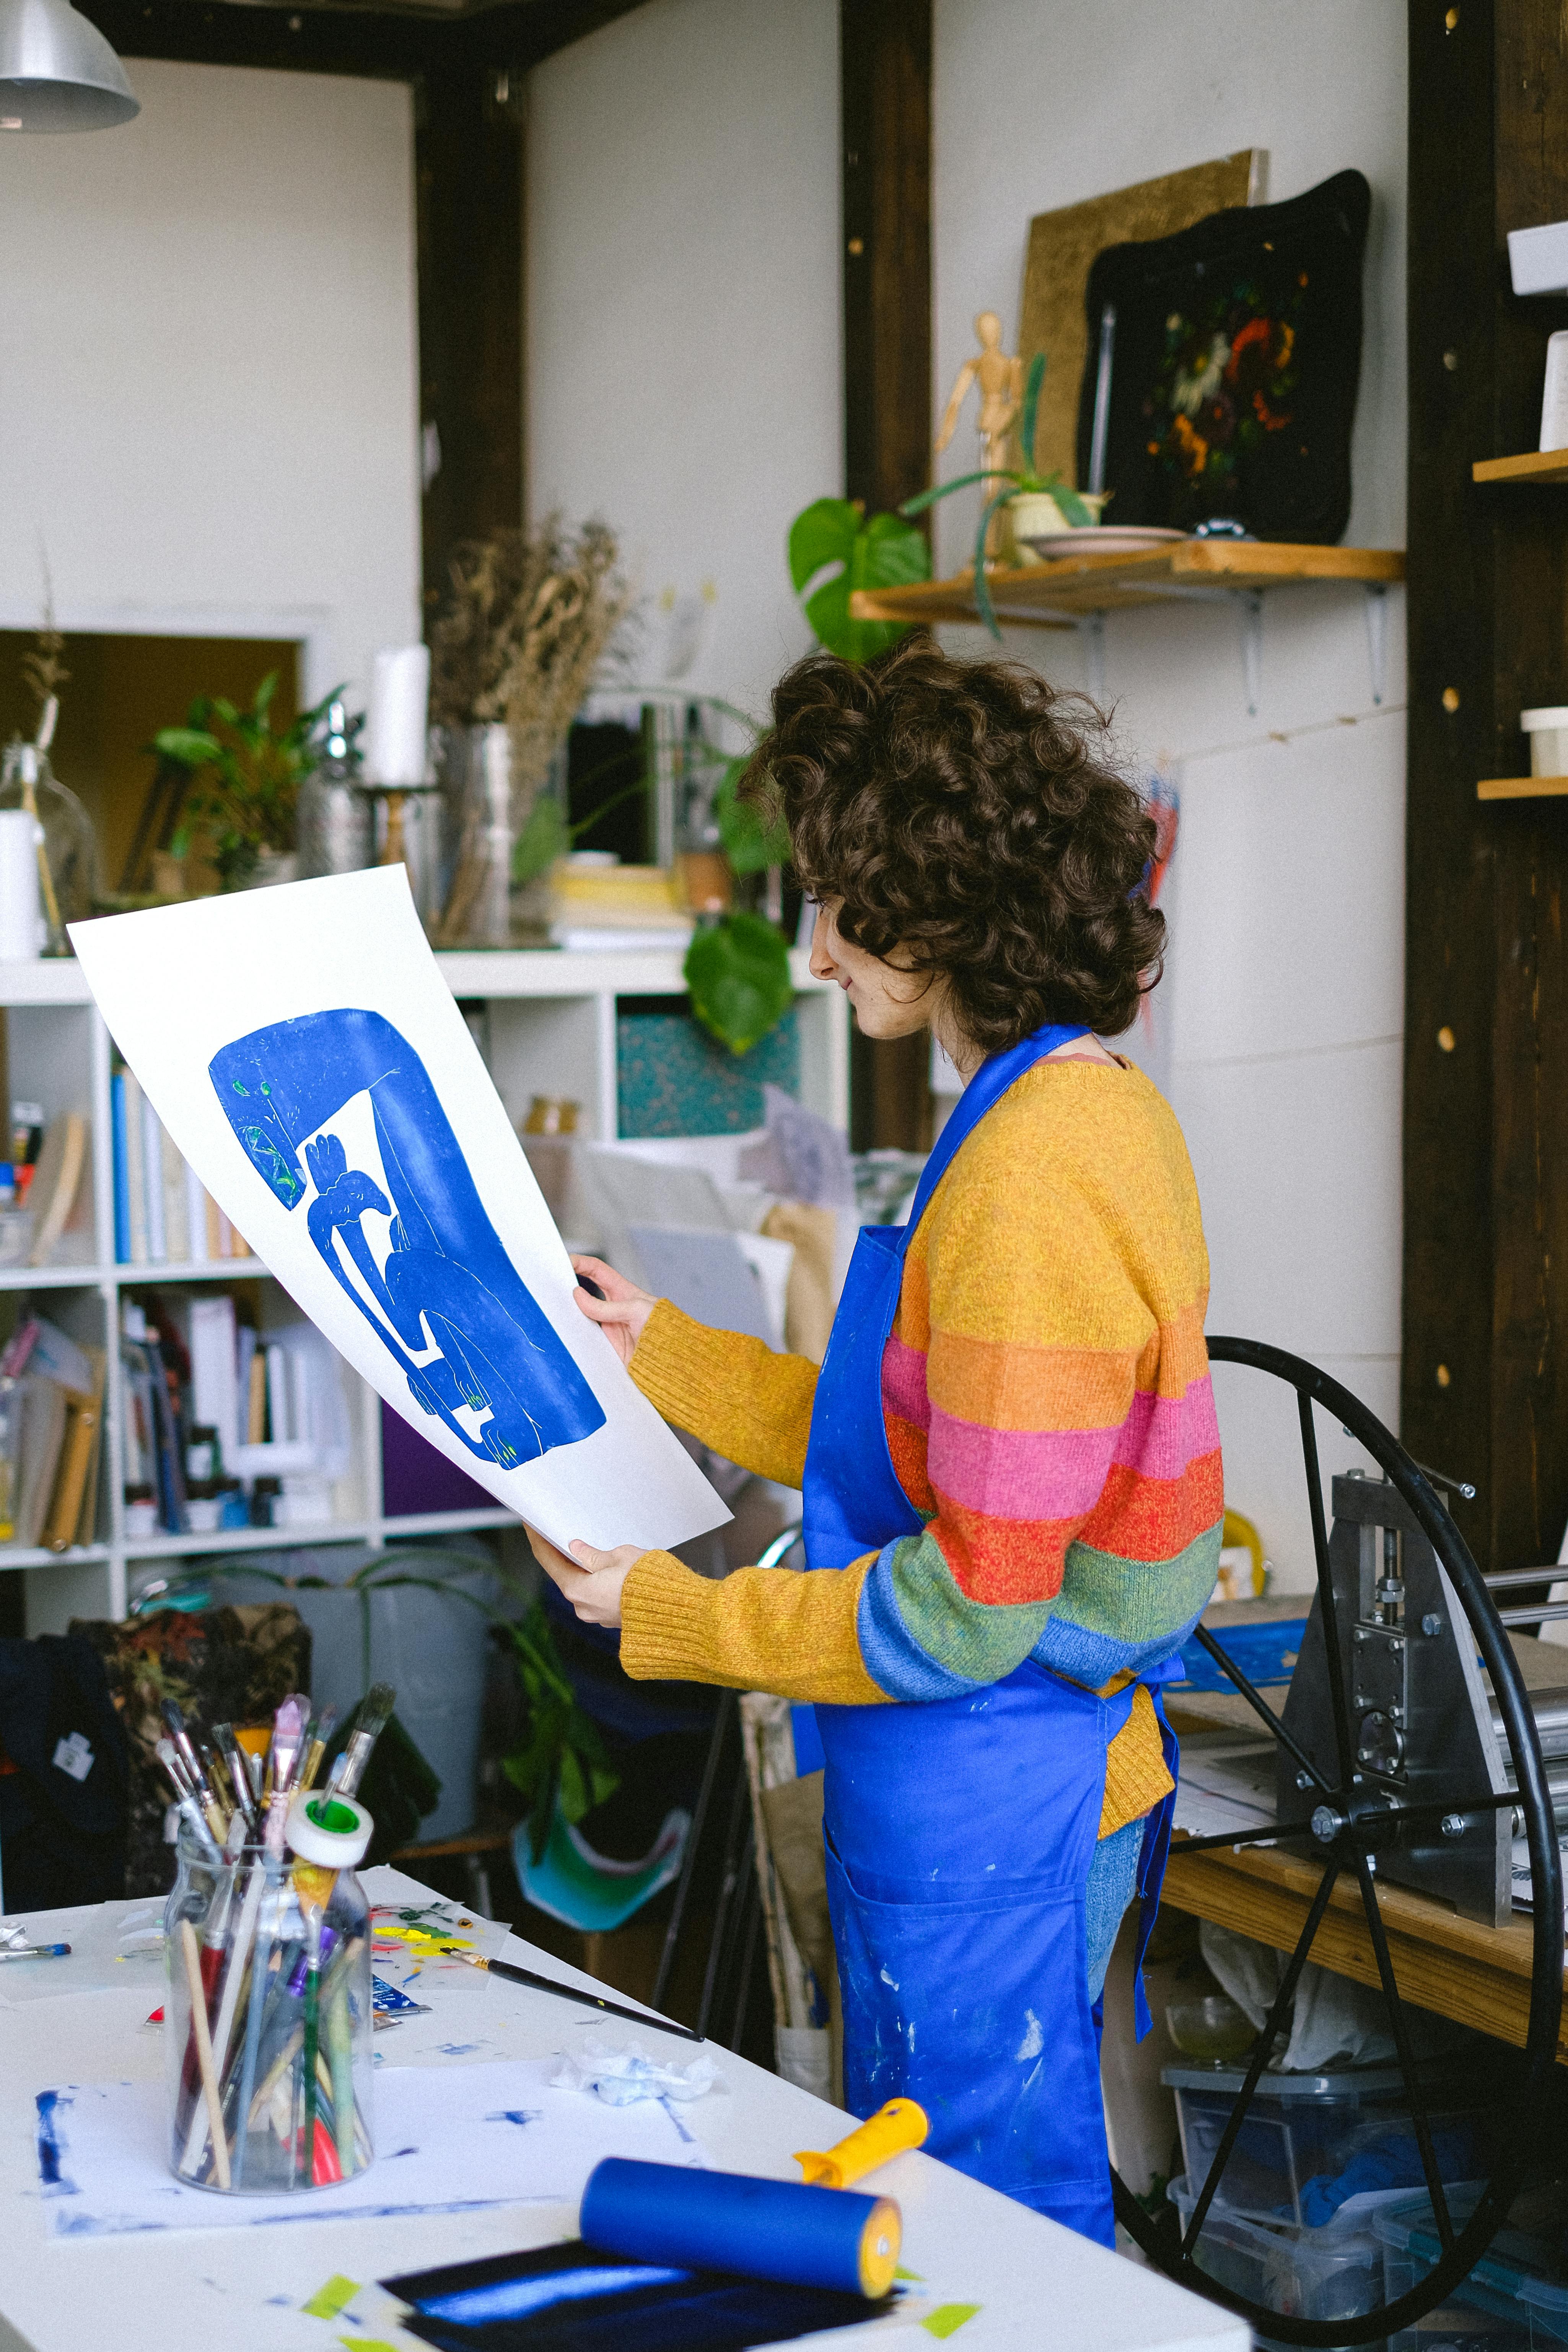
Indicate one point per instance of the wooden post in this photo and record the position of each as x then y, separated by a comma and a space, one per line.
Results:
885, 49
468, 173
1484, 1388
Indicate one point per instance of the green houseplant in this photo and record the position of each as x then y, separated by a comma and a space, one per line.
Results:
244, 779
832, 545
1075, 510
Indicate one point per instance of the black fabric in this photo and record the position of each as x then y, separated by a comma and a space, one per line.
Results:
62, 1840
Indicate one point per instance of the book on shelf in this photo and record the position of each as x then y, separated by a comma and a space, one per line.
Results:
57, 1183
163, 1215
53, 1434
208, 1399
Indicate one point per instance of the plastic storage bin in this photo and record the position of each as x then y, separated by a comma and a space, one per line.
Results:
1302, 2131
1515, 2299
1334, 2272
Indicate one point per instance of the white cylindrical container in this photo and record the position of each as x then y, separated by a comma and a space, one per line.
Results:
396, 734
1548, 731
1555, 393
22, 931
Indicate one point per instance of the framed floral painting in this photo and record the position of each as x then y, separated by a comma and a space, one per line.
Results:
1235, 360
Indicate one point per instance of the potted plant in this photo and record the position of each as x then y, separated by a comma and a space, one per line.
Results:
1040, 505
244, 782
529, 615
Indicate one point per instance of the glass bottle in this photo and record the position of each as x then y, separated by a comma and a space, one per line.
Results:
70, 845
333, 813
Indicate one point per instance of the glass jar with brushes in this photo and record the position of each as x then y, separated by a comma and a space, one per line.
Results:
269, 2021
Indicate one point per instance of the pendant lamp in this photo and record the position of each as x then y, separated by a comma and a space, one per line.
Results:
58, 72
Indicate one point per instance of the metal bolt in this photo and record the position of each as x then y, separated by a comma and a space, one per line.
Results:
1372, 1865
1303, 1780
1431, 1625
1363, 1756
1327, 1824
1452, 1825
1397, 1644
1360, 1633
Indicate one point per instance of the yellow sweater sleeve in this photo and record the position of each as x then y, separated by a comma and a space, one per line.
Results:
773, 1628
733, 1393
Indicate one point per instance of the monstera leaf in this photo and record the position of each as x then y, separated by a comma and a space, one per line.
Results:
886, 553
737, 970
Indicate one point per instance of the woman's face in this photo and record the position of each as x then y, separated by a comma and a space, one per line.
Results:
889, 1003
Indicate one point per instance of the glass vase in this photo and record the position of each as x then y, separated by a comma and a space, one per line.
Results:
490, 797
68, 875
267, 2023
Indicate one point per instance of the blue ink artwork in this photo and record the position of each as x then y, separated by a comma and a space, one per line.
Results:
440, 1293
51, 2147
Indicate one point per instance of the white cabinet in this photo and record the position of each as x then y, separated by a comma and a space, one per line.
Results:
549, 1028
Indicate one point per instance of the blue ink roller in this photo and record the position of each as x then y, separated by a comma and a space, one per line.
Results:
778, 2230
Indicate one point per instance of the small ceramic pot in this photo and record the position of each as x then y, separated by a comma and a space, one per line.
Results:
1035, 514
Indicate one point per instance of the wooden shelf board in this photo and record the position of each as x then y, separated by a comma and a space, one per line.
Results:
1534, 465
1479, 1976
1522, 788
1048, 595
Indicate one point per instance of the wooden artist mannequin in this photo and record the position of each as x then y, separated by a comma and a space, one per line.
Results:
1001, 382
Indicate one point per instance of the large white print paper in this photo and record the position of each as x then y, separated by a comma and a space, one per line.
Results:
304, 1052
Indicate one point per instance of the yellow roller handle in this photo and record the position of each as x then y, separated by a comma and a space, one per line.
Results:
899, 2125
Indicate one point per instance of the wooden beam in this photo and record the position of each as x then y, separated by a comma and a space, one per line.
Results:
1485, 1127
378, 43
469, 175
885, 49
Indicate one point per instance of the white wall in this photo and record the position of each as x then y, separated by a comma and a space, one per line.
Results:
1278, 1030
683, 336
208, 404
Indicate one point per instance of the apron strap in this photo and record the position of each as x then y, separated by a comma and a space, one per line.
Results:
990, 1082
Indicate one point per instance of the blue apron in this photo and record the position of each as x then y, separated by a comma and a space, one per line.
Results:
960, 1831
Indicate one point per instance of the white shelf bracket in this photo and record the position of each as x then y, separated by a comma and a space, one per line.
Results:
1250, 602
1377, 637
1091, 634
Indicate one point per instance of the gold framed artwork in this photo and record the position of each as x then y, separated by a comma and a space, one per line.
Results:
1061, 252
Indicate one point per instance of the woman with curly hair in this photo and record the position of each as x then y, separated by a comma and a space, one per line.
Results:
1010, 1460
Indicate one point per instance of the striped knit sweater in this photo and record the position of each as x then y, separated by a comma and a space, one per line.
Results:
1047, 1400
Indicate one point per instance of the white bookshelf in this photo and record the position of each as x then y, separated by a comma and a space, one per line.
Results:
551, 1029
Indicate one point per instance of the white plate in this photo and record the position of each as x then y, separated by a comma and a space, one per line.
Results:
1101, 539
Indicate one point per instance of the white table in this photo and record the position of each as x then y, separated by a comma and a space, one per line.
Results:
241, 2290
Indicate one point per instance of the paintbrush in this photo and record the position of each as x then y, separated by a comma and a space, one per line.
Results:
369, 1722
288, 1744
316, 1746
575, 1992
233, 1756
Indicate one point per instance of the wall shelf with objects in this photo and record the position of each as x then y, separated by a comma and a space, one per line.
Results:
1075, 592
605, 1030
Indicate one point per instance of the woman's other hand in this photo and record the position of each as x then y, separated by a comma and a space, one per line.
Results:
591, 1580
623, 1310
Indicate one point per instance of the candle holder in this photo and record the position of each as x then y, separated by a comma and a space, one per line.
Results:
396, 849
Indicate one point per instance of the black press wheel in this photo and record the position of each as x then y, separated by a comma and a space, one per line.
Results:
1347, 1826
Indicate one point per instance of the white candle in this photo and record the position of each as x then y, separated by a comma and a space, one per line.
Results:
396, 730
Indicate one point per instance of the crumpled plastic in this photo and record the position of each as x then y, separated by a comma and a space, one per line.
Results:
621, 2076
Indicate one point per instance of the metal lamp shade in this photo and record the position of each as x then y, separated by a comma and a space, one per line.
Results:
58, 72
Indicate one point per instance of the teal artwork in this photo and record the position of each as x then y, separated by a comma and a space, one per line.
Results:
440, 1293
672, 1079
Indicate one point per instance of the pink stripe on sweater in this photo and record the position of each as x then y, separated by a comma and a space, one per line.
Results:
904, 1383
1062, 1474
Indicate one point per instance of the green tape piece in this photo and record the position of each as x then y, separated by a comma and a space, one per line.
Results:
948, 2317
367, 2344
329, 2300
910, 2274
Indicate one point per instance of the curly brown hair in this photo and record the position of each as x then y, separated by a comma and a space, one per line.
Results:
963, 817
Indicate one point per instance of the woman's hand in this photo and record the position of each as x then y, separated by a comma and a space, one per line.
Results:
591, 1580
620, 1313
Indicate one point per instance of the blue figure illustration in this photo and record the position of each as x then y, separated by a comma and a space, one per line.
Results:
448, 1283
